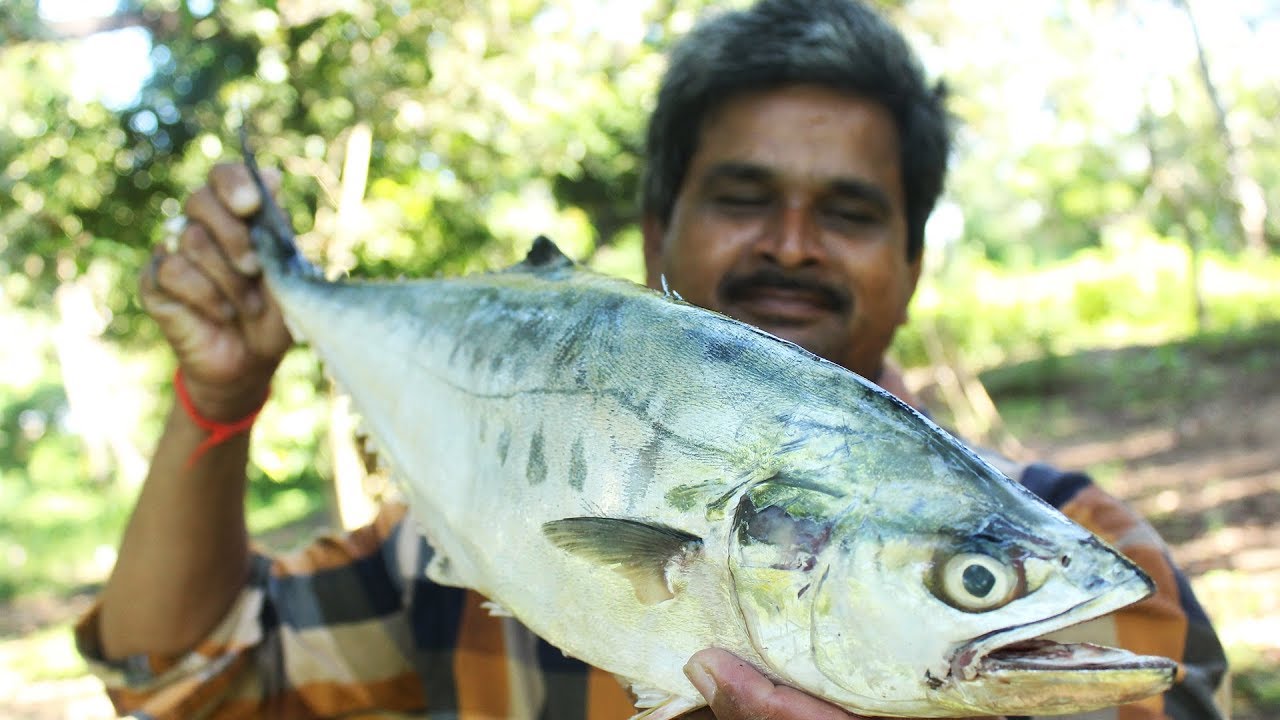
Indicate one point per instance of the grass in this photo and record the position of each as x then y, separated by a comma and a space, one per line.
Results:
1037, 394
1255, 683
45, 655
58, 538
1102, 395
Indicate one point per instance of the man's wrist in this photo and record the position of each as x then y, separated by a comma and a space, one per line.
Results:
229, 401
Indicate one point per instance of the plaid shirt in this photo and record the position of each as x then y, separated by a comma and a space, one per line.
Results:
351, 627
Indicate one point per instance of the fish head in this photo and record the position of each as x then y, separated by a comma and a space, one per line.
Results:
927, 595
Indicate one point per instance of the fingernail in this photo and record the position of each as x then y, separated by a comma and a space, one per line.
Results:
249, 263
253, 302
701, 679
243, 199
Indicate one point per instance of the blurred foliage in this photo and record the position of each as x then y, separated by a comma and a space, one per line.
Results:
1135, 293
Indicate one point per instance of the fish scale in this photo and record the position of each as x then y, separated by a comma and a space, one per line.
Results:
635, 479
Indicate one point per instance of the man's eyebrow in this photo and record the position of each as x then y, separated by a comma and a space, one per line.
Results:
745, 172
843, 187
862, 191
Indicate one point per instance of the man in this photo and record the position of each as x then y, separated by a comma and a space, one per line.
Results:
793, 158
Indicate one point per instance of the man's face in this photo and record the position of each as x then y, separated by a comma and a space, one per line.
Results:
791, 218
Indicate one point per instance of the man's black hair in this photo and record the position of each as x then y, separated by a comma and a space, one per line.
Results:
838, 44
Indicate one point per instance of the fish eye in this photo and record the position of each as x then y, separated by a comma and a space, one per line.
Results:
975, 582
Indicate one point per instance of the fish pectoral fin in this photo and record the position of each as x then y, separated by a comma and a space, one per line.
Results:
645, 554
657, 704
672, 707
496, 610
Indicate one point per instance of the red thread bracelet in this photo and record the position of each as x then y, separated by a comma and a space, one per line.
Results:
219, 432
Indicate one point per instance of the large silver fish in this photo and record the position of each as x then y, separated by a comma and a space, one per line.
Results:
636, 479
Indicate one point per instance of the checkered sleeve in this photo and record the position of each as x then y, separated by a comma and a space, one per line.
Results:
351, 627
318, 633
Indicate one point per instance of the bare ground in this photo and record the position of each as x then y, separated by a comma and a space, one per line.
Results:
1190, 436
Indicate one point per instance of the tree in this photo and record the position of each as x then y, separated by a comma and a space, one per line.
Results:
1242, 191
417, 137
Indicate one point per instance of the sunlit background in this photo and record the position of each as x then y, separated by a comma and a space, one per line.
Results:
1102, 286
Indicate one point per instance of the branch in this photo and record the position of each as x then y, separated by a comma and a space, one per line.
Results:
159, 23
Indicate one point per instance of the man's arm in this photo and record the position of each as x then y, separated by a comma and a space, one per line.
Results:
185, 553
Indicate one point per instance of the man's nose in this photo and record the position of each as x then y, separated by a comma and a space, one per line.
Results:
793, 238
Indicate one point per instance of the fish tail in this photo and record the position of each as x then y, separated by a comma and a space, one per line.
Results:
272, 235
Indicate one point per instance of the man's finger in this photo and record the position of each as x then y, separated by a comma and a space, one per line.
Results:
149, 279
236, 190
737, 691
203, 252
176, 278
227, 230
235, 187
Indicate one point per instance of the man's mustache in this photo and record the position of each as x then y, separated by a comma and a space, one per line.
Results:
740, 287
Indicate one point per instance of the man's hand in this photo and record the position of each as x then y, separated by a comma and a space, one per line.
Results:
206, 293
186, 543
736, 691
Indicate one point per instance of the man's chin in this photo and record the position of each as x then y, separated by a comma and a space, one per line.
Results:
818, 330
784, 327
828, 340
811, 336
781, 313
779, 318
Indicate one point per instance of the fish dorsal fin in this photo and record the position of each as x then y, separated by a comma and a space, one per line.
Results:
667, 292
543, 256
270, 230
642, 553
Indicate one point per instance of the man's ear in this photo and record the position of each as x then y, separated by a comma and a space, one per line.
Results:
654, 232
914, 268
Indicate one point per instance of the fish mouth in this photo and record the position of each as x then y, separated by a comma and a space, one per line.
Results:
1063, 677
966, 661
1059, 678
1047, 656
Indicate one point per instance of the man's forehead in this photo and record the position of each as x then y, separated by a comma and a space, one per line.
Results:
797, 93
817, 124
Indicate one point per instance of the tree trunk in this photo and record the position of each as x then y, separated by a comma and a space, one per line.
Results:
352, 499
1245, 194
353, 505
102, 410
1171, 191
972, 410
1195, 262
